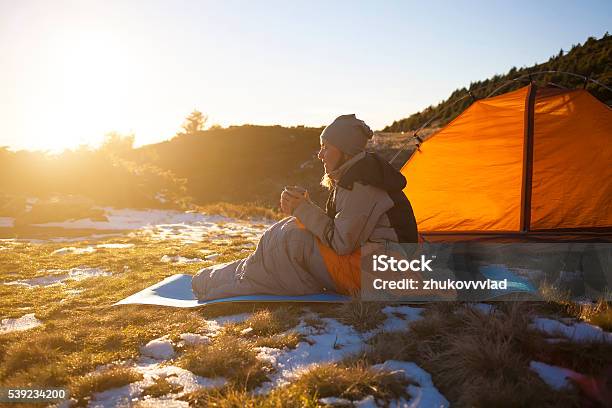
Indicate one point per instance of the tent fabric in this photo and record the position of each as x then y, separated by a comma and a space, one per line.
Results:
572, 162
472, 176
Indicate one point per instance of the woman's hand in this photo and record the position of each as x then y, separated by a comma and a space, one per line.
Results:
290, 201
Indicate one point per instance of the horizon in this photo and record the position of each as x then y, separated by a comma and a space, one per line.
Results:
74, 72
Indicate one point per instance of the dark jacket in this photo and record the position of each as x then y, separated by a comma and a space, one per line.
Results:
367, 204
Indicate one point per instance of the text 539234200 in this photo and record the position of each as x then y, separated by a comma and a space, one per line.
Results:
14, 394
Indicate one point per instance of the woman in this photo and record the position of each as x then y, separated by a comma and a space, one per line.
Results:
316, 250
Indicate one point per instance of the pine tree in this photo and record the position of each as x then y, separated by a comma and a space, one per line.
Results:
195, 122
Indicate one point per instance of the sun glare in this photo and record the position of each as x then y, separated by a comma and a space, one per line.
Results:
86, 86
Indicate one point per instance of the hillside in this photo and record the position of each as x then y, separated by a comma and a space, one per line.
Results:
253, 163
592, 59
233, 166
239, 163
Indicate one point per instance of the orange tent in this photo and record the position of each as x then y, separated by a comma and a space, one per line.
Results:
534, 161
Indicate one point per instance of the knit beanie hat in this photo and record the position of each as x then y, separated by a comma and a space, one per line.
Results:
348, 134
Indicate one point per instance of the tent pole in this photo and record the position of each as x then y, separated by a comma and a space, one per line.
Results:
528, 159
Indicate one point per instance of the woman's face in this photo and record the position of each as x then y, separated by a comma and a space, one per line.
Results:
330, 155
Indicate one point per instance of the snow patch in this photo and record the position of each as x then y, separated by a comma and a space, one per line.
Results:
367, 402
152, 366
29, 203
394, 323
128, 218
423, 395
204, 231
484, 308
577, 332
189, 226
114, 246
71, 239
213, 325
151, 371
159, 349
7, 243
334, 343
180, 259
166, 402
59, 276
193, 339
74, 250
25, 322
161, 197
335, 401
7, 222
555, 377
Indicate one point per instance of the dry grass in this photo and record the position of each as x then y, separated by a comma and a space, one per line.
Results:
268, 327
588, 311
280, 341
353, 382
593, 358
603, 319
83, 387
361, 315
241, 211
161, 387
241, 398
47, 348
315, 322
227, 356
82, 332
476, 359
59, 212
58, 208
268, 322
560, 302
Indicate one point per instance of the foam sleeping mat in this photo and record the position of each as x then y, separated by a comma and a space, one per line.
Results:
175, 291
516, 284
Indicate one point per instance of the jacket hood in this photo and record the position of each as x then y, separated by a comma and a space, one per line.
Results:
375, 171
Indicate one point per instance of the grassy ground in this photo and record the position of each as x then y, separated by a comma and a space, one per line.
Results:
241, 211
475, 359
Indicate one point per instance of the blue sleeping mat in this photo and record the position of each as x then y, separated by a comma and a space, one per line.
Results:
175, 291
516, 284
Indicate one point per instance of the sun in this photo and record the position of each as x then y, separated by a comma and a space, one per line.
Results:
86, 88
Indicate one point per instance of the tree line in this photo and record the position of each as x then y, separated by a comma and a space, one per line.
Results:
592, 59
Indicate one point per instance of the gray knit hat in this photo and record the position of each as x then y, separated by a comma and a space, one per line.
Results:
348, 134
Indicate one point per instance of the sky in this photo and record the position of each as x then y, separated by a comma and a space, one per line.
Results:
73, 71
